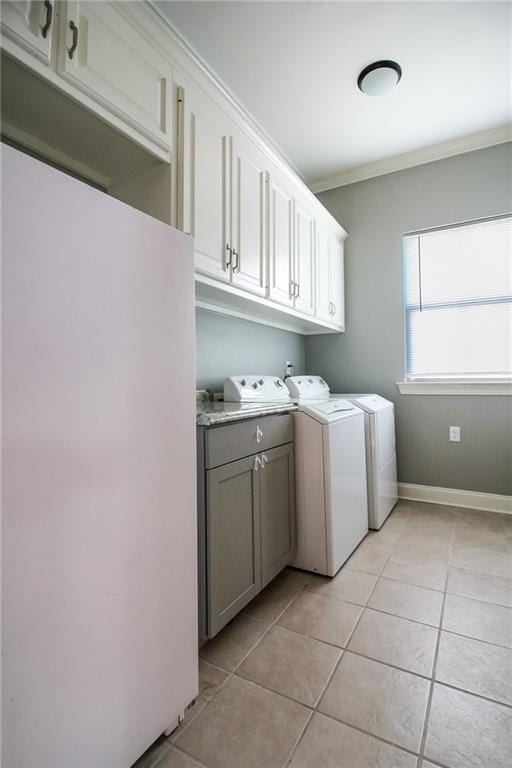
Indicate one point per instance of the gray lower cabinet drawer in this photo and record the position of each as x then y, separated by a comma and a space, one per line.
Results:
230, 442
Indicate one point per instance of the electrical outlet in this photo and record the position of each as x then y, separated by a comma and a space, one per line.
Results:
454, 434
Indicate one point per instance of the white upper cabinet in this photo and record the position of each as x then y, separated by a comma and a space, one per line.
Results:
304, 261
206, 181
280, 242
248, 192
337, 282
103, 54
265, 248
330, 305
323, 276
30, 24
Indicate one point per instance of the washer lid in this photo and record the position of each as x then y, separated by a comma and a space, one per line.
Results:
329, 411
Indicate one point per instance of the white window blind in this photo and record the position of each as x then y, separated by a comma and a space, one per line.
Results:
458, 302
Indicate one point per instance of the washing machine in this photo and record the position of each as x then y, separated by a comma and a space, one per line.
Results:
331, 494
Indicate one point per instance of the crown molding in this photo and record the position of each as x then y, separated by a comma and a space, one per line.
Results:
468, 143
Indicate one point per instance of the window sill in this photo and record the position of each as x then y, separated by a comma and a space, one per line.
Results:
453, 388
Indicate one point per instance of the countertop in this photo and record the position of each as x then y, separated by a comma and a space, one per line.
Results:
210, 412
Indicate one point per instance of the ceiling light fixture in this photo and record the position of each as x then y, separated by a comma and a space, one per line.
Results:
379, 78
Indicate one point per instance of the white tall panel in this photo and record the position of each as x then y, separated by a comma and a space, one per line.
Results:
99, 509
206, 192
280, 230
248, 216
304, 261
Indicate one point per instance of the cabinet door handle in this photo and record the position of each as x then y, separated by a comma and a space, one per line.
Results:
292, 289
236, 265
259, 434
74, 29
334, 309
230, 251
297, 295
257, 463
264, 460
49, 16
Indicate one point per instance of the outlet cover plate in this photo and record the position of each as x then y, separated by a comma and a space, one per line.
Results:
454, 434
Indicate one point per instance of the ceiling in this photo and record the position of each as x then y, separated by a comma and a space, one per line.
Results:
294, 66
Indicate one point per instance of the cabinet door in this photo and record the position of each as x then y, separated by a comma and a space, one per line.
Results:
248, 216
323, 276
304, 273
280, 233
30, 24
205, 154
104, 55
233, 546
277, 503
337, 283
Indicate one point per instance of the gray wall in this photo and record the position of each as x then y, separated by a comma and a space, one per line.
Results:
369, 356
228, 346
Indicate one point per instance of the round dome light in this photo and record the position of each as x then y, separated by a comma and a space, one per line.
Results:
379, 78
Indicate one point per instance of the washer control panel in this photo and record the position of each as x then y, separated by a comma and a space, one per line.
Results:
307, 387
254, 389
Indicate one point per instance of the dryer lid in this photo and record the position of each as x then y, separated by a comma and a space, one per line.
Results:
329, 411
371, 403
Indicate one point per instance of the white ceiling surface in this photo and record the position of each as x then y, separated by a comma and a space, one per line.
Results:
294, 67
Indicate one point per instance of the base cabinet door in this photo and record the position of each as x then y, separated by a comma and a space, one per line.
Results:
233, 546
277, 499
30, 23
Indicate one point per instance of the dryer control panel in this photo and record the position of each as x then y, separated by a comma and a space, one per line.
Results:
307, 387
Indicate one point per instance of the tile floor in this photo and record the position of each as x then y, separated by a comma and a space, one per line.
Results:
403, 660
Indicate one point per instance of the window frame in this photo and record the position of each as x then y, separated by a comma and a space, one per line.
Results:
457, 384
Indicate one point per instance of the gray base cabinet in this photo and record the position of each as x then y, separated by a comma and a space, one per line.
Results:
246, 513
277, 511
233, 540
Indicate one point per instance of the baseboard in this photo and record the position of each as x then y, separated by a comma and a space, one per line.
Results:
489, 502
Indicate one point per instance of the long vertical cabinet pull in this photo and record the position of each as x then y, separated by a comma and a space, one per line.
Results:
49, 16
229, 260
74, 44
236, 265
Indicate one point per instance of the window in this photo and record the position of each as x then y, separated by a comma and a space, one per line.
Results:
458, 302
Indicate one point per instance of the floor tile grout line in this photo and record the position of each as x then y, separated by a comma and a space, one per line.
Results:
298, 740
472, 693
231, 673
476, 639
184, 752
368, 733
328, 681
434, 665
344, 649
